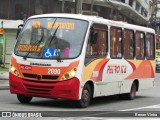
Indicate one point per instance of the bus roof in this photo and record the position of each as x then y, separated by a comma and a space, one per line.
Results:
96, 19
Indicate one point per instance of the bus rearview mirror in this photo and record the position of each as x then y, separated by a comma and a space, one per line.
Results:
19, 30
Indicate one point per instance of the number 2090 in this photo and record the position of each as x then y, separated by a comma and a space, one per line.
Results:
54, 71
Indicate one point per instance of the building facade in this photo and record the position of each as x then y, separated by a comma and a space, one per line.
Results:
130, 11
156, 15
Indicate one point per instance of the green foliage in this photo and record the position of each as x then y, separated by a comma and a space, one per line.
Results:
4, 69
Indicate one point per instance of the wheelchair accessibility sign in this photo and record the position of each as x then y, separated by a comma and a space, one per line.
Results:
48, 53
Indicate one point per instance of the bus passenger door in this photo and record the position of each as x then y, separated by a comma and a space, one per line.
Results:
97, 47
96, 62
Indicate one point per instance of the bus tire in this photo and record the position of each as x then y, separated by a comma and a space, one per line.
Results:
131, 95
24, 99
85, 97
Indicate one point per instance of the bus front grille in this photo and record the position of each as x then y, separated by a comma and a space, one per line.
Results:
35, 76
29, 75
49, 77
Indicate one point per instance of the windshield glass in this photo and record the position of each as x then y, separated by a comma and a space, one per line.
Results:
48, 38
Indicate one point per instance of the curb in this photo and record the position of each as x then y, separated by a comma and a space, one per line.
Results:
4, 79
4, 87
4, 84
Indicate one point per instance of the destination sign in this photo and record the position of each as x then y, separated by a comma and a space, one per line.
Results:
62, 25
31, 48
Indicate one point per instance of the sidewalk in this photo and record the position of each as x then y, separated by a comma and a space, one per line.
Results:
4, 80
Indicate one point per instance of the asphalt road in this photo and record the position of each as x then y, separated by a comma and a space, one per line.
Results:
146, 100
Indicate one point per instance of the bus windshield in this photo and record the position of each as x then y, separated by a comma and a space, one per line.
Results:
49, 38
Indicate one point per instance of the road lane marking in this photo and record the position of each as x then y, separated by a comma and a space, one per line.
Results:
146, 107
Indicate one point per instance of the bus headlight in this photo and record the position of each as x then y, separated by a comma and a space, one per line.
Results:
69, 74
66, 76
14, 70
73, 73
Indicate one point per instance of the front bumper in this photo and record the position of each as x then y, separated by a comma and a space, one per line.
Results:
68, 89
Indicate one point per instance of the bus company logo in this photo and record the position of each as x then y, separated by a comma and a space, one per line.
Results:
116, 69
40, 64
6, 114
26, 67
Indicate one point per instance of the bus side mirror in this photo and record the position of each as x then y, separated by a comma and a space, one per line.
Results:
94, 37
19, 30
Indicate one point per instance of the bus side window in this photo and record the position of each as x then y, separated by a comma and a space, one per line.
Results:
116, 42
100, 48
128, 44
150, 46
140, 45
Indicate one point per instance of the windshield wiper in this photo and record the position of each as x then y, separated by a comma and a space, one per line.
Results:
51, 32
54, 38
58, 53
37, 42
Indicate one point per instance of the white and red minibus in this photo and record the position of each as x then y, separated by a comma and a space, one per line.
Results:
79, 57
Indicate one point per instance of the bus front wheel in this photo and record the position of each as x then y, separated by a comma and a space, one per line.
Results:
24, 99
85, 97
